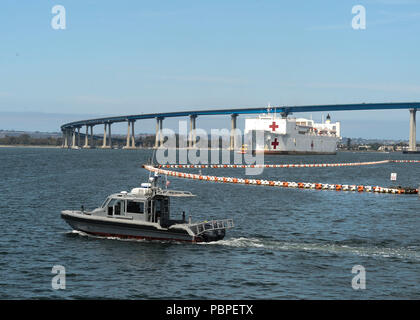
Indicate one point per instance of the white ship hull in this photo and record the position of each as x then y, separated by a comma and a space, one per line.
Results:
292, 136
288, 144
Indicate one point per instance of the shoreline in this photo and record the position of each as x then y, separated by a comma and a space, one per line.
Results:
27, 146
59, 147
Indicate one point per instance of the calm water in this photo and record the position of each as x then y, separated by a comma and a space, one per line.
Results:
287, 243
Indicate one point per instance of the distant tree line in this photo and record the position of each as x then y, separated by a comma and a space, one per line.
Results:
144, 141
27, 140
374, 146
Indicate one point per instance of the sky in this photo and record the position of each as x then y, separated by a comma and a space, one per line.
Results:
131, 57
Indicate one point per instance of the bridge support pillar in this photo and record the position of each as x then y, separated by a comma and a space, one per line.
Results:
192, 131
133, 138
78, 137
233, 142
104, 144
160, 132
130, 143
68, 135
159, 136
73, 142
109, 135
91, 137
412, 145
65, 139
127, 145
86, 145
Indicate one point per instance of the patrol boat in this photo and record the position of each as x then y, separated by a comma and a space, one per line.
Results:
143, 213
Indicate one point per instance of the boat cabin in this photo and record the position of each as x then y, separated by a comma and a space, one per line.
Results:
145, 204
155, 209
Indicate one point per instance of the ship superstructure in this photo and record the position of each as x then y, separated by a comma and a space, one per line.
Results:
288, 135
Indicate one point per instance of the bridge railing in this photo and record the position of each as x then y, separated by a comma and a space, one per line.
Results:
202, 227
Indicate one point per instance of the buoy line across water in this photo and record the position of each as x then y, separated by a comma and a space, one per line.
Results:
285, 184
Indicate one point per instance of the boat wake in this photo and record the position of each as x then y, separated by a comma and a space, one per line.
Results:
276, 245
334, 248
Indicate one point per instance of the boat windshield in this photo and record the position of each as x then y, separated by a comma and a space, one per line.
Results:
104, 203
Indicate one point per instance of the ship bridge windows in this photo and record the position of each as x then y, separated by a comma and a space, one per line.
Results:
135, 207
160, 209
161, 205
158, 206
115, 207
105, 202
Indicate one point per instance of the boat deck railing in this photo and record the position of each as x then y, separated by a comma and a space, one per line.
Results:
198, 228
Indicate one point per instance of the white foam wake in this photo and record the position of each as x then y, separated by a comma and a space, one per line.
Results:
385, 252
242, 242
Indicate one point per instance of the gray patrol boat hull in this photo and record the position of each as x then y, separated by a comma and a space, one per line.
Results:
109, 227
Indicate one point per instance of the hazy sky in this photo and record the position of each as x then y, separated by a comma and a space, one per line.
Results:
129, 57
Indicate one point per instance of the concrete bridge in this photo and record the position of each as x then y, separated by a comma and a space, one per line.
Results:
69, 129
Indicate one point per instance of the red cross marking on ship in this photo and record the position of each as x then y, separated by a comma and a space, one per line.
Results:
275, 143
273, 126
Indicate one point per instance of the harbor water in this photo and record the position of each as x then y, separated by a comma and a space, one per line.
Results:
286, 244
